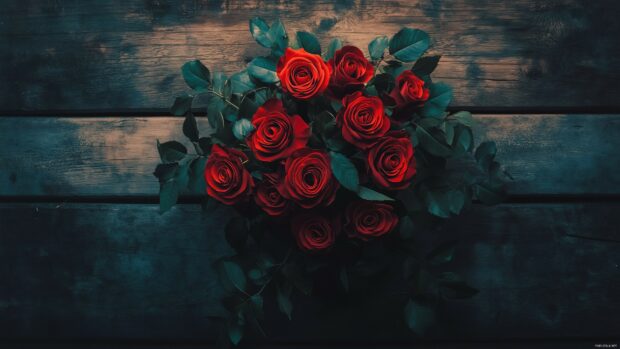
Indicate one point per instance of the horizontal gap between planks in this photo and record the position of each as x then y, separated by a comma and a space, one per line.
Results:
162, 112
153, 199
144, 343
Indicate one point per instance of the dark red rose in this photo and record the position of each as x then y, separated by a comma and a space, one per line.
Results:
303, 74
227, 180
368, 219
269, 198
362, 120
276, 135
308, 179
391, 162
409, 89
314, 231
351, 71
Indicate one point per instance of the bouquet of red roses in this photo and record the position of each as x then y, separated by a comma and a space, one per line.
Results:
328, 156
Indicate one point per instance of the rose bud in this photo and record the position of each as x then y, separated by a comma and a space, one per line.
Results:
276, 135
269, 198
303, 75
226, 178
362, 120
368, 219
314, 231
391, 161
308, 179
351, 71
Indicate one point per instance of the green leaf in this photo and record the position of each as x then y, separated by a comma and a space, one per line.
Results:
463, 117
283, 296
440, 97
490, 194
171, 151
279, 38
464, 140
344, 171
293, 273
235, 275
309, 42
247, 108
425, 65
215, 114
456, 290
485, 153
260, 32
236, 232
371, 195
190, 128
165, 172
235, 332
409, 44
242, 128
182, 104
263, 69
168, 196
196, 183
384, 83
334, 45
196, 75
442, 254
431, 144
406, 227
419, 317
241, 83
377, 47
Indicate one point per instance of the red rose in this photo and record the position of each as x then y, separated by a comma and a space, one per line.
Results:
303, 74
269, 198
391, 162
351, 70
276, 135
227, 180
314, 232
367, 219
308, 179
362, 119
409, 89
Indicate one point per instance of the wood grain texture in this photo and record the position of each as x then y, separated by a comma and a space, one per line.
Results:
126, 54
115, 156
124, 272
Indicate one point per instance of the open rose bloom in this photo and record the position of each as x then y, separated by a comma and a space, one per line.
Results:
336, 159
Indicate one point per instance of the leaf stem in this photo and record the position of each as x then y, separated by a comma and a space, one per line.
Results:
224, 99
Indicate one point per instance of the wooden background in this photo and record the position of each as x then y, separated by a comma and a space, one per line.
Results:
85, 258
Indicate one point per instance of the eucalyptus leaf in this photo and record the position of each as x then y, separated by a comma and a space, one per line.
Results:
182, 105
242, 128
196, 75
377, 47
263, 69
235, 332
409, 44
440, 97
344, 171
309, 42
334, 45
241, 83
371, 195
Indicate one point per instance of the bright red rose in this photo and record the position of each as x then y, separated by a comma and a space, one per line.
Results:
351, 71
391, 162
409, 89
303, 74
314, 231
308, 179
368, 219
276, 135
227, 180
362, 120
269, 198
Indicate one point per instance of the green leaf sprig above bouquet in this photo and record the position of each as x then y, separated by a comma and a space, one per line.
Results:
331, 158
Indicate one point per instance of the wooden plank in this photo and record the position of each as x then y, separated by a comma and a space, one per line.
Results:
115, 156
70, 54
124, 272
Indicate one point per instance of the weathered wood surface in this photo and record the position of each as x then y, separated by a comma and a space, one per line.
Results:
124, 272
126, 54
115, 156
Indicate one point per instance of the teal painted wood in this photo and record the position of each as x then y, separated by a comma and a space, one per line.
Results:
120, 54
115, 156
124, 272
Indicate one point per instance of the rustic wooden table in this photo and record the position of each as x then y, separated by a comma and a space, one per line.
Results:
85, 258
